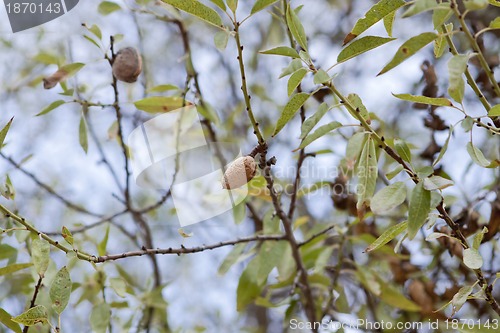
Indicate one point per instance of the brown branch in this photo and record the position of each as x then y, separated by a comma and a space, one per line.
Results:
184, 250
33, 299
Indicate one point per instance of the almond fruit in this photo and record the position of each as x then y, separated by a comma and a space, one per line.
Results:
127, 65
240, 172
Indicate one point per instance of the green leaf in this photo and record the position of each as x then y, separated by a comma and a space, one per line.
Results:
321, 131
419, 209
68, 237
444, 148
494, 112
438, 101
248, 287
71, 69
456, 68
40, 253
403, 150
82, 135
388, 198
360, 107
437, 183
460, 297
261, 4
157, 104
6, 319
282, 51
293, 105
310, 122
37, 314
119, 286
367, 173
477, 155
100, 318
51, 107
478, 238
321, 77
420, 6
394, 297
108, 7
495, 24
231, 258
96, 31
197, 9
60, 290
389, 22
220, 4
440, 16
162, 88
295, 80
3, 132
387, 236
372, 16
409, 48
475, 4
393, 173
354, 146
294, 65
232, 4
361, 46
473, 259
494, 3
296, 28
220, 39
101, 247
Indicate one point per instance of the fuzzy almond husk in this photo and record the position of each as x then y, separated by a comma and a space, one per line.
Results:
239, 173
127, 65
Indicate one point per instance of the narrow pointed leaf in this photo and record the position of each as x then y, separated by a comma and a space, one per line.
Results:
456, 69
361, 46
197, 9
295, 80
3, 132
13, 268
82, 135
296, 28
321, 131
367, 173
290, 110
372, 16
438, 101
6, 319
419, 209
157, 104
387, 236
310, 122
282, 51
51, 107
409, 48
261, 4
477, 155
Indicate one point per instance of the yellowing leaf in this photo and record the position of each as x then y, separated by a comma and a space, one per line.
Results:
494, 112
40, 253
438, 101
158, 104
37, 314
60, 290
